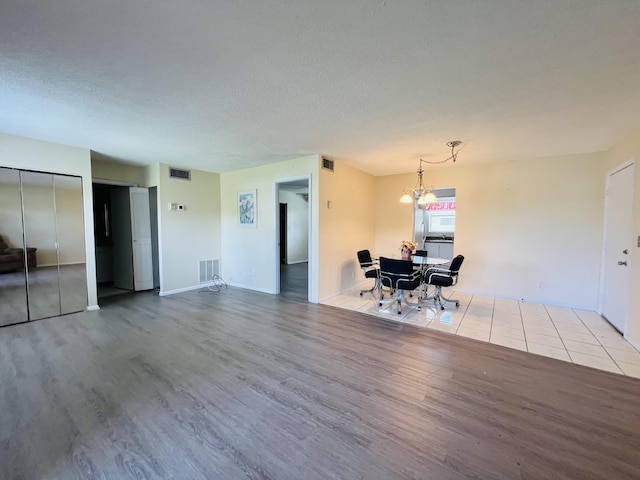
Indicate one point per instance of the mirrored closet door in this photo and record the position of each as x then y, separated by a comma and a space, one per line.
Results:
13, 280
47, 232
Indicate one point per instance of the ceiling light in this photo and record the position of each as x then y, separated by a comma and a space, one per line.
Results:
424, 195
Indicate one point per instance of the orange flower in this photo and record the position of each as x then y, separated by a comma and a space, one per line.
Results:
411, 246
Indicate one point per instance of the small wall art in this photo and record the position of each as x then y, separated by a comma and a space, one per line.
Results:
248, 208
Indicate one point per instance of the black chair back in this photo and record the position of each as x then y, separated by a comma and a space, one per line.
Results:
364, 257
395, 266
456, 263
399, 274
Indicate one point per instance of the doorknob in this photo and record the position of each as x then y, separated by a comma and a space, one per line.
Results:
622, 263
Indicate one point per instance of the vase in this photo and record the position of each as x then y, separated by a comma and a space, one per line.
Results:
406, 254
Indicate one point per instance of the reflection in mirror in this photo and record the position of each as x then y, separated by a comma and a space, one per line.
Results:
40, 233
434, 225
13, 292
71, 251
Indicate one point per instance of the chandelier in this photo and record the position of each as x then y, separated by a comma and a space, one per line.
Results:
425, 195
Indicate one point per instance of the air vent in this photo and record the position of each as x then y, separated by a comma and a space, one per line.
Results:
181, 174
207, 269
327, 163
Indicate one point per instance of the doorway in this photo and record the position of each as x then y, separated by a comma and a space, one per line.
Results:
434, 224
292, 238
124, 238
618, 235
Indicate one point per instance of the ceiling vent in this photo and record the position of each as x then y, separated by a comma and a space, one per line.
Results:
181, 174
327, 164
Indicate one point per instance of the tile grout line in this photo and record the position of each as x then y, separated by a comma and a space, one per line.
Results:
493, 312
553, 322
600, 343
524, 330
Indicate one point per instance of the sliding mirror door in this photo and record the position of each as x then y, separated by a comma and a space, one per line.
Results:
40, 232
42, 251
13, 284
71, 251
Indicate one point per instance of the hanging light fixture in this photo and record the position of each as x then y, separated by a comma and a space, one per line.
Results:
425, 195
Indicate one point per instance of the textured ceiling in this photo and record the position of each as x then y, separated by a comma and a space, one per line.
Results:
221, 85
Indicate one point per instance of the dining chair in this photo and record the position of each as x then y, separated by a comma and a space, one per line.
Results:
444, 277
399, 276
369, 268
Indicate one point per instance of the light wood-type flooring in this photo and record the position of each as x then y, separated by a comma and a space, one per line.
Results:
245, 385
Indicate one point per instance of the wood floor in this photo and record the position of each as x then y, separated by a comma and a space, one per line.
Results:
244, 385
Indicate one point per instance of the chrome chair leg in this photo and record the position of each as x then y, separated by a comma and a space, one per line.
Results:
376, 286
398, 298
439, 299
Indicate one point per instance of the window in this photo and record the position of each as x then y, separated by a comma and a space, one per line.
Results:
441, 216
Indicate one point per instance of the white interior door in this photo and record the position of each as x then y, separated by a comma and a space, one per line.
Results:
121, 238
141, 236
618, 235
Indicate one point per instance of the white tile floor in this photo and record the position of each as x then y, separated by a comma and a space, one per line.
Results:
567, 334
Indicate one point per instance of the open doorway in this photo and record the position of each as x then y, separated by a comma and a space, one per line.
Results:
124, 260
292, 237
435, 224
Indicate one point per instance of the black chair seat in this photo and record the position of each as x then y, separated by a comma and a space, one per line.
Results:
441, 281
444, 277
371, 274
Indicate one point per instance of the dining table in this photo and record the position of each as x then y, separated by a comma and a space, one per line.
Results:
423, 264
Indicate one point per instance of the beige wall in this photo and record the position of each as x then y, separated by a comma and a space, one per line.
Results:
628, 148
249, 255
518, 224
347, 225
102, 169
186, 237
29, 154
297, 226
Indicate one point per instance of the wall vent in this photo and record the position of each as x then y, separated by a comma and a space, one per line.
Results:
207, 269
327, 164
178, 173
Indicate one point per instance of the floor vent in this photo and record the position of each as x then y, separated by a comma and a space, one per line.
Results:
207, 269
327, 164
181, 174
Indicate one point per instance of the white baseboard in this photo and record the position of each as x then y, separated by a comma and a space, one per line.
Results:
164, 293
46, 265
249, 287
360, 286
93, 308
635, 344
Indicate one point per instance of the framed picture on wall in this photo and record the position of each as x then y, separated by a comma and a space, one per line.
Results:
248, 208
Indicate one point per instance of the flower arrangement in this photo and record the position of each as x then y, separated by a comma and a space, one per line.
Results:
407, 245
